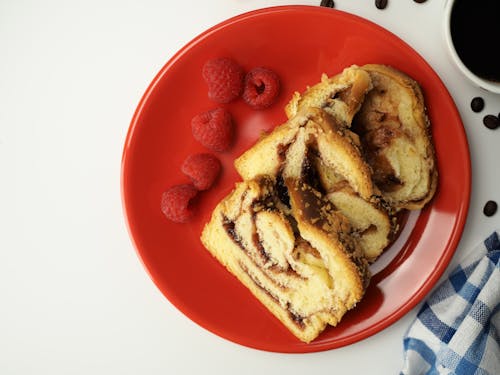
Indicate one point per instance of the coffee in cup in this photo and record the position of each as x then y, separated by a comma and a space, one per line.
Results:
472, 31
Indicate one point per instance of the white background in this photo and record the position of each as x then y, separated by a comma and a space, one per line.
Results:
74, 297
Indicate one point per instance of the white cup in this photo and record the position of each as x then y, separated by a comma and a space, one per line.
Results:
478, 81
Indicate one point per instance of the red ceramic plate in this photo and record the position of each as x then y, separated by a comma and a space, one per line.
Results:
299, 43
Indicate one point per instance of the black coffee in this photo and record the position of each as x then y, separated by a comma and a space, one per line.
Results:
475, 31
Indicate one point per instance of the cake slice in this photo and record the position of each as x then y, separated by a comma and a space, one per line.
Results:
299, 258
312, 129
394, 131
386, 109
314, 147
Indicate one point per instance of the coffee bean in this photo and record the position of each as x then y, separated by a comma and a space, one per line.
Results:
477, 104
327, 3
381, 4
490, 208
420, 1
491, 121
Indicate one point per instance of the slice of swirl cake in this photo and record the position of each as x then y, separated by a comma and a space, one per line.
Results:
299, 259
395, 134
388, 114
314, 147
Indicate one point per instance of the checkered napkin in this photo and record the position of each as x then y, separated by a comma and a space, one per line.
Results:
457, 330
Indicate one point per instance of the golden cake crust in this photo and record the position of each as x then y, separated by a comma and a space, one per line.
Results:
340, 96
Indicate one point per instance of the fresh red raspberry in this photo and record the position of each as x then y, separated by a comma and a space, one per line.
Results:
213, 129
175, 202
262, 87
202, 169
224, 78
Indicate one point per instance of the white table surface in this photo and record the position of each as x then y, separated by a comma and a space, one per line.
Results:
74, 297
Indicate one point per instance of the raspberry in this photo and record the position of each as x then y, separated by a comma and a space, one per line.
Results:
202, 169
175, 202
213, 129
224, 78
262, 87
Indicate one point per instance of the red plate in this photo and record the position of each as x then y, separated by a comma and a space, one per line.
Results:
299, 43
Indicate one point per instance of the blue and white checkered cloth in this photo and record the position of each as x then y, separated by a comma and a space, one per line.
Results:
456, 330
